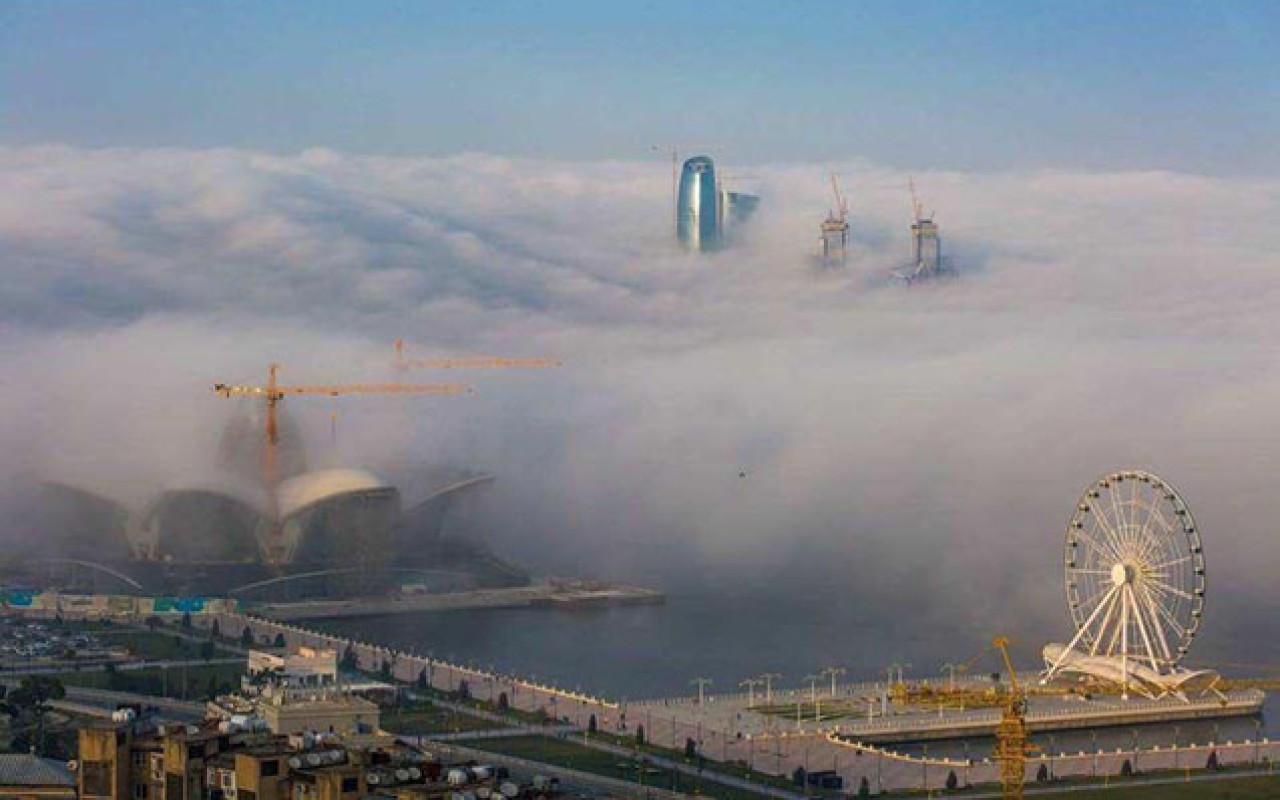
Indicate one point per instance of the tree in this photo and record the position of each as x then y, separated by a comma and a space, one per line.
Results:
464, 690
385, 669
113, 679
246, 637
690, 748
28, 705
503, 702
799, 776
350, 661
1042, 774
422, 678
1212, 763
186, 620
640, 734
214, 630
280, 642
864, 788
1126, 769
591, 724
952, 780
207, 649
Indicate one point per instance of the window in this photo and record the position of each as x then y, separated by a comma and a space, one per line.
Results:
140, 791
270, 768
97, 778
350, 784
139, 758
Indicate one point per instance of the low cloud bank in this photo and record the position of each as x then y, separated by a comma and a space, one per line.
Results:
742, 408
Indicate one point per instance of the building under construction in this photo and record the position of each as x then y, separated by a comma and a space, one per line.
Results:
834, 232
263, 523
927, 261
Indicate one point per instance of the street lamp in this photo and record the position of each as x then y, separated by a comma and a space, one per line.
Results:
750, 685
702, 684
769, 678
834, 672
951, 670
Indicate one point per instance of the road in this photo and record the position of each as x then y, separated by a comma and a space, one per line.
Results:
123, 666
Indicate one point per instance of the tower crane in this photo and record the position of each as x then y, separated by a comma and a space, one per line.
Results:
469, 362
273, 392
1011, 735
841, 211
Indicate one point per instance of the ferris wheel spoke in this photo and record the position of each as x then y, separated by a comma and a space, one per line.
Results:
1175, 627
1164, 587
1152, 655
1149, 543
1099, 596
1110, 603
1154, 609
1171, 563
1122, 540
1135, 506
1106, 551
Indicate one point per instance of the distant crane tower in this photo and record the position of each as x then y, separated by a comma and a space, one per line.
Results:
835, 229
926, 245
469, 362
274, 392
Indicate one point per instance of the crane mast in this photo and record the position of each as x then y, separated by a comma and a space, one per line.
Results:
1011, 735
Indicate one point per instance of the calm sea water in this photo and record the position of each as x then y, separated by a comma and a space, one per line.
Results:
727, 632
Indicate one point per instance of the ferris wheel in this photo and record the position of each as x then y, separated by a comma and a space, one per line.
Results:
1135, 576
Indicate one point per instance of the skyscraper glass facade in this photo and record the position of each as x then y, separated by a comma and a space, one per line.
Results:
697, 205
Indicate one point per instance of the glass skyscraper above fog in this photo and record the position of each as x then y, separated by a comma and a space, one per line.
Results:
706, 212
698, 205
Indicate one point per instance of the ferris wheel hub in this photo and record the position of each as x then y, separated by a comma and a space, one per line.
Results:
1122, 574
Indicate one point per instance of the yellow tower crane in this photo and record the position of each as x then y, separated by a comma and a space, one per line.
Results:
469, 362
1011, 736
274, 392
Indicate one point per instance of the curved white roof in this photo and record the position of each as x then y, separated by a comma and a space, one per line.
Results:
309, 488
1113, 669
460, 485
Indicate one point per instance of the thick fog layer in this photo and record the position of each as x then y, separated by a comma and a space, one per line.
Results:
743, 409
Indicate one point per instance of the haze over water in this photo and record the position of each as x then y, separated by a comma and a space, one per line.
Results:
727, 629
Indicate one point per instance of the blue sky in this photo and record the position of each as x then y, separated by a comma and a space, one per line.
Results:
965, 85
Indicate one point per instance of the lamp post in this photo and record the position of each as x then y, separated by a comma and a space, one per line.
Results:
951, 670
1135, 750
1177, 738
834, 673
702, 684
769, 678
750, 685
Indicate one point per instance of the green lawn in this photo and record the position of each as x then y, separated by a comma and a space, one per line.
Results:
150, 645
736, 769
1255, 788
425, 718
183, 683
572, 755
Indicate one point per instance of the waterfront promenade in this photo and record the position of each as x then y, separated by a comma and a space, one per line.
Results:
770, 748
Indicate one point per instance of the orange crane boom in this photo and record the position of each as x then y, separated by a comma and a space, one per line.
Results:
470, 362
274, 392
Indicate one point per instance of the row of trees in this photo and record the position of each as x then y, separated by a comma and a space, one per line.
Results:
27, 707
